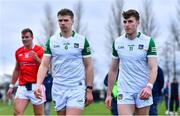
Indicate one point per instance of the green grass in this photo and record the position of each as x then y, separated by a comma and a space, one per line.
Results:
94, 109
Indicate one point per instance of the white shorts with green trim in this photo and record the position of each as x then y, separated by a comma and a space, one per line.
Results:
133, 98
68, 98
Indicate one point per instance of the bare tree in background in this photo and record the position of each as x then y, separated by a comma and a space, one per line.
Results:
167, 53
49, 24
82, 29
148, 25
114, 26
177, 39
78, 24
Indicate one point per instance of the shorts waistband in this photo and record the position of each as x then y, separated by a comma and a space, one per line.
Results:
28, 83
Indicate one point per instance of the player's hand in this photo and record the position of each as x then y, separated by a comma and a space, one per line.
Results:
146, 93
108, 101
10, 92
33, 55
89, 97
38, 93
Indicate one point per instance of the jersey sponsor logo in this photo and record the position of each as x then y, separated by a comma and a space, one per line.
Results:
120, 47
141, 46
26, 55
20, 54
56, 46
120, 96
76, 45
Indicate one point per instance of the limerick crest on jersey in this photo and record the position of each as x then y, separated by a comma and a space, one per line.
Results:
76, 45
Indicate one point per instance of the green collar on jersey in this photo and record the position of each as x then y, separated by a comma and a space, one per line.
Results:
73, 33
138, 35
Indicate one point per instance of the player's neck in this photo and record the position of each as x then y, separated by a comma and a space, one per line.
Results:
67, 34
28, 46
131, 36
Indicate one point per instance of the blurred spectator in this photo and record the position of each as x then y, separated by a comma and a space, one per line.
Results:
114, 110
48, 85
174, 97
166, 97
1, 95
157, 92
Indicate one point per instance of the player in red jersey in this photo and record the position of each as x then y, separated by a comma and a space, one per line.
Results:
28, 59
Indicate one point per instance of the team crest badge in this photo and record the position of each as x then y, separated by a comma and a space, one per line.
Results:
120, 96
140, 46
76, 45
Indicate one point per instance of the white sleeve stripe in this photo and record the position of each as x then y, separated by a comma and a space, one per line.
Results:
86, 56
152, 56
115, 57
47, 54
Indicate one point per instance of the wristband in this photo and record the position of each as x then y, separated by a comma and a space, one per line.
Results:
11, 85
150, 85
89, 87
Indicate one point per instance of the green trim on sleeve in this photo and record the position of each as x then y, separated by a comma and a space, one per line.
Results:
152, 48
86, 51
114, 52
47, 49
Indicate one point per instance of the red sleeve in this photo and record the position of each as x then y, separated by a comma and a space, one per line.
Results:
40, 52
16, 56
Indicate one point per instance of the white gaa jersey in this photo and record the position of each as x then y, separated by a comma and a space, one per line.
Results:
133, 65
67, 60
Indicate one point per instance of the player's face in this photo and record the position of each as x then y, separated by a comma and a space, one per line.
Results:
130, 25
65, 23
27, 39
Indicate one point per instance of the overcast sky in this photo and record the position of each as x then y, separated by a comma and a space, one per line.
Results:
18, 14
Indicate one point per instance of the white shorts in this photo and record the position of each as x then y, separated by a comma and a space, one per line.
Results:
23, 93
69, 98
133, 98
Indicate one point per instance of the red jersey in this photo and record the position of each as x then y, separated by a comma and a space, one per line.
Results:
27, 65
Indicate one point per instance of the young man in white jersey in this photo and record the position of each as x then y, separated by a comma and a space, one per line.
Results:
69, 53
135, 55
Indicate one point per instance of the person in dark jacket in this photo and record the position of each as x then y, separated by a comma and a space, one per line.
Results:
174, 97
48, 85
166, 96
114, 110
157, 92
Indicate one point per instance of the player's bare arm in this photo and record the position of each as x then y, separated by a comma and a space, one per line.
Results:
89, 79
43, 68
111, 79
14, 79
147, 91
